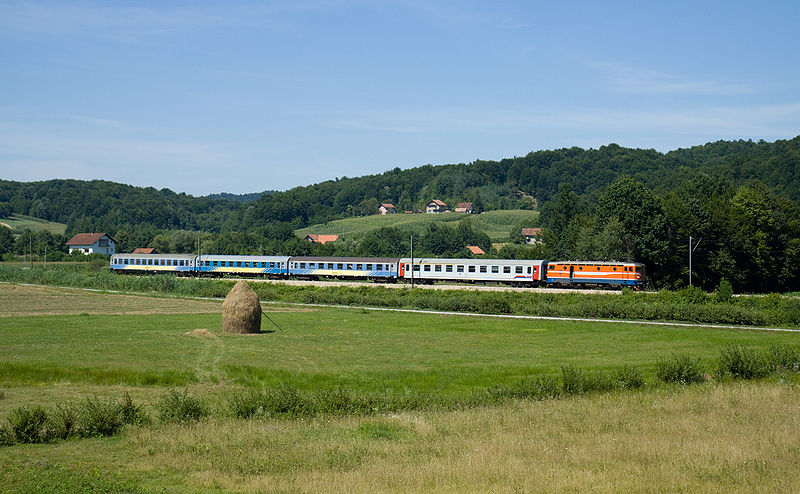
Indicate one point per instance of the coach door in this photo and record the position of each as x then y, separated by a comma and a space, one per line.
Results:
571, 272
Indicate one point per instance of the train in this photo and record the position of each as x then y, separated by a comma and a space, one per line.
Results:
516, 272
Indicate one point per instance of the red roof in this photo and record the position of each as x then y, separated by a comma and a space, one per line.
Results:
86, 238
143, 250
438, 202
531, 232
475, 249
321, 239
388, 205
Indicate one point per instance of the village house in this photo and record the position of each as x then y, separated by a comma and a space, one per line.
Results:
92, 243
435, 206
321, 239
532, 235
387, 208
464, 207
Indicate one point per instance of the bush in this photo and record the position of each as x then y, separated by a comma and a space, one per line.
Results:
27, 425
783, 357
132, 413
627, 377
724, 292
7, 437
180, 407
742, 363
62, 423
682, 369
100, 418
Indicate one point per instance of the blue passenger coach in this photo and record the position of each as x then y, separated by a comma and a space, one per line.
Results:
218, 265
372, 268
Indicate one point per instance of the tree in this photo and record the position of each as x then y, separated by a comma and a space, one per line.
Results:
642, 222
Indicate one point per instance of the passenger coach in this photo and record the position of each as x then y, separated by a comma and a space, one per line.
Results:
218, 265
512, 271
367, 268
183, 264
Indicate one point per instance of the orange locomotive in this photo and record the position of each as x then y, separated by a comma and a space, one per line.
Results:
596, 273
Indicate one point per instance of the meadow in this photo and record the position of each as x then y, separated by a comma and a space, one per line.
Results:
19, 223
497, 224
62, 346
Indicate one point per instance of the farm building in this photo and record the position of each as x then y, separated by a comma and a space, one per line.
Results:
387, 208
532, 235
464, 207
315, 238
92, 243
435, 206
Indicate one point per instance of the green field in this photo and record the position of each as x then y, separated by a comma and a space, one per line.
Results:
61, 346
19, 223
497, 224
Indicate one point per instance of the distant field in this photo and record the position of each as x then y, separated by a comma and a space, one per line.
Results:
64, 346
19, 223
496, 224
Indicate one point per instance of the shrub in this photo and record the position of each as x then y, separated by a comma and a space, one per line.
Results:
62, 422
27, 424
682, 369
540, 388
180, 407
246, 404
132, 413
6, 437
724, 292
783, 357
742, 363
627, 377
100, 418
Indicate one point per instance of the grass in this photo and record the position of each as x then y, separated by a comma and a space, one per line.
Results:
709, 438
496, 224
19, 223
727, 435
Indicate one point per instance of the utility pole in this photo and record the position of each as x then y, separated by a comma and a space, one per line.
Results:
691, 249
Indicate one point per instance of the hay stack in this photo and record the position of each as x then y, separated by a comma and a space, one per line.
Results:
241, 310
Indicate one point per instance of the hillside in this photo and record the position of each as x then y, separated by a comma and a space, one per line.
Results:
497, 224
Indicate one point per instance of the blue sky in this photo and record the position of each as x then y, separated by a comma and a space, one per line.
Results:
204, 97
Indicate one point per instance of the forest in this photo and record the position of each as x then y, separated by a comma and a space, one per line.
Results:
738, 199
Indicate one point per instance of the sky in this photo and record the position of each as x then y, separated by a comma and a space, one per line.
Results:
208, 97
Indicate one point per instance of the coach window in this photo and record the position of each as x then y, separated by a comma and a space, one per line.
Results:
459, 269
471, 269
339, 266
449, 268
495, 269
580, 268
438, 268
483, 269
416, 267
359, 267
518, 269
162, 262
181, 262
529, 270
598, 268
427, 267
149, 262
506, 269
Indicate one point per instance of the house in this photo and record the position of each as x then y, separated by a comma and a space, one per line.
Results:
387, 209
92, 243
435, 206
532, 235
476, 250
464, 207
321, 239
144, 250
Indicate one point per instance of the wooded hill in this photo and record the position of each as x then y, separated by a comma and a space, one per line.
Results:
618, 203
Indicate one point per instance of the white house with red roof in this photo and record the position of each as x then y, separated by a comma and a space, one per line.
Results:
92, 243
435, 206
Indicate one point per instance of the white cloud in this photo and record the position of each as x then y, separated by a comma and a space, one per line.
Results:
627, 79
